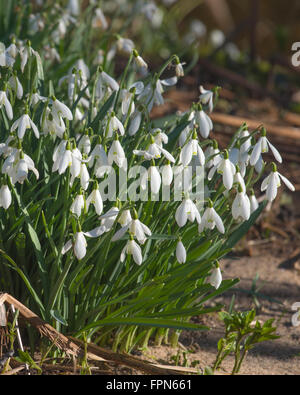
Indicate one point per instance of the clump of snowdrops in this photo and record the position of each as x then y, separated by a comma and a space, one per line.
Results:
119, 261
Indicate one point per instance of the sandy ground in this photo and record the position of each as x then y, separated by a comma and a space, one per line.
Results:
277, 357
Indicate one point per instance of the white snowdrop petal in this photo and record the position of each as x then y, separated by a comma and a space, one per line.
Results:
275, 152
287, 182
180, 252
215, 278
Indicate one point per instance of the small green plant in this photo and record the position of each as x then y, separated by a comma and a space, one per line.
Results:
242, 333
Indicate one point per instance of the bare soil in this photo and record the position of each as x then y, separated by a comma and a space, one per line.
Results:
282, 285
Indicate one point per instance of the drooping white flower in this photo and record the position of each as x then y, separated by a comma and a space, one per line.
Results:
204, 122
17, 165
79, 243
16, 85
155, 179
215, 278
115, 125
116, 154
179, 68
132, 248
187, 210
226, 168
136, 228
62, 157
5, 197
154, 151
190, 150
241, 206
212, 155
99, 20
167, 174
239, 180
78, 205
180, 252
95, 199
263, 145
210, 219
104, 83
272, 182
23, 123
108, 219
6, 103
125, 218
26, 52
139, 60
135, 122
253, 202
206, 97
84, 144
60, 109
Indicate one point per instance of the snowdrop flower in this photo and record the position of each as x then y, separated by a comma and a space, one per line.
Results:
52, 123
17, 166
84, 176
136, 228
239, 158
154, 96
154, 151
104, 82
241, 205
60, 109
5, 197
84, 144
62, 157
253, 202
79, 243
125, 45
16, 86
73, 7
155, 179
23, 123
272, 182
108, 219
6, 60
95, 199
36, 98
179, 69
99, 20
125, 218
160, 137
167, 174
116, 154
262, 146
132, 248
99, 157
77, 205
191, 149
114, 125
210, 219
180, 252
135, 122
212, 157
204, 122
139, 60
215, 278
187, 210
6, 103
206, 98
238, 179
50, 53
226, 168
26, 52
